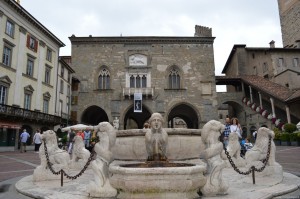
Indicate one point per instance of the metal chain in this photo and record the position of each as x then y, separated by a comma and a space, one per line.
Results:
265, 161
64, 173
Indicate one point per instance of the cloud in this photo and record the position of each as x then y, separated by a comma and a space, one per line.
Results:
254, 23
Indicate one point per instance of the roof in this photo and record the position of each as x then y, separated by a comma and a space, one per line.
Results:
61, 59
142, 40
275, 90
255, 49
27, 16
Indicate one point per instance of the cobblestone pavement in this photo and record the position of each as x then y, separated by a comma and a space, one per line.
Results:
14, 165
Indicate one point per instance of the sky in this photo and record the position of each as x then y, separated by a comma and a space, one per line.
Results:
251, 22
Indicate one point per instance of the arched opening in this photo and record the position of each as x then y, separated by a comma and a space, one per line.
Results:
184, 113
134, 120
93, 115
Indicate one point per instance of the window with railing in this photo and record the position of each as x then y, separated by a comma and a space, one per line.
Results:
46, 105
104, 79
27, 101
3, 94
138, 81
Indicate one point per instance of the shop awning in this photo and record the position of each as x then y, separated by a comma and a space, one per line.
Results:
10, 125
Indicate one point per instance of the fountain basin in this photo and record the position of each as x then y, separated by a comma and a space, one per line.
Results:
176, 180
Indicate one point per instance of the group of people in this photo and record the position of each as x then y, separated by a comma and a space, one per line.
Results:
25, 137
86, 137
233, 126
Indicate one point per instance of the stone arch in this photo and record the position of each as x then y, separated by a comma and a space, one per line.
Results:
138, 118
93, 115
187, 112
235, 108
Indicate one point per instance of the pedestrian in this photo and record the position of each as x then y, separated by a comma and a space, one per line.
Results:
87, 137
235, 127
37, 140
80, 133
226, 132
24, 137
71, 135
254, 134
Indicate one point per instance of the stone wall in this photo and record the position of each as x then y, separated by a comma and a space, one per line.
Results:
192, 57
290, 21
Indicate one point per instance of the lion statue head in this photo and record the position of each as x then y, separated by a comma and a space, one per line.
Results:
106, 127
260, 149
50, 138
234, 146
211, 131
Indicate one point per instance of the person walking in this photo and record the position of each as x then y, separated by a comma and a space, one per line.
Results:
226, 132
24, 137
37, 140
87, 137
235, 127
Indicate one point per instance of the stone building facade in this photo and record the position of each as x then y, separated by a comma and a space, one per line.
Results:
175, 76
290, 22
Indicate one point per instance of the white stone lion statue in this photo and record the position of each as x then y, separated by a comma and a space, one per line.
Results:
80, 154
260, 149
234, 150
101, 187
210, 134
58, 158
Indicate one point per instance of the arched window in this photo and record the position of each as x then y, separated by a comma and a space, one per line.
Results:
104, 79
138, 81
132, 83
144, 81
174, 79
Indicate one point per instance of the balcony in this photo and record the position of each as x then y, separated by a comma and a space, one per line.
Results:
147, 92
16, 113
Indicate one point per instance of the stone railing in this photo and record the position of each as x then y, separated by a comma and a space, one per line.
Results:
145, 91
20, 113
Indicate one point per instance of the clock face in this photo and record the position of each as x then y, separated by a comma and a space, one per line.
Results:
137, 60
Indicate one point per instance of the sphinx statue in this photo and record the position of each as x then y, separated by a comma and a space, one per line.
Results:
58, 158
101, 187
156, 139
215, 184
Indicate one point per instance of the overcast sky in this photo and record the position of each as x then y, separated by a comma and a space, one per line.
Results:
251, 22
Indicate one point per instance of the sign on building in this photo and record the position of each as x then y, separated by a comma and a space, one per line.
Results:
138, 97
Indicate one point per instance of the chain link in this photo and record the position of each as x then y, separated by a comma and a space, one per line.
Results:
62, 171
265, 161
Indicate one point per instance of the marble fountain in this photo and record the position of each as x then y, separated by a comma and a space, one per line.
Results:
155, 163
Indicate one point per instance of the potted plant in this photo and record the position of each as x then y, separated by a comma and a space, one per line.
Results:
290, 127
285, 139
277, 138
